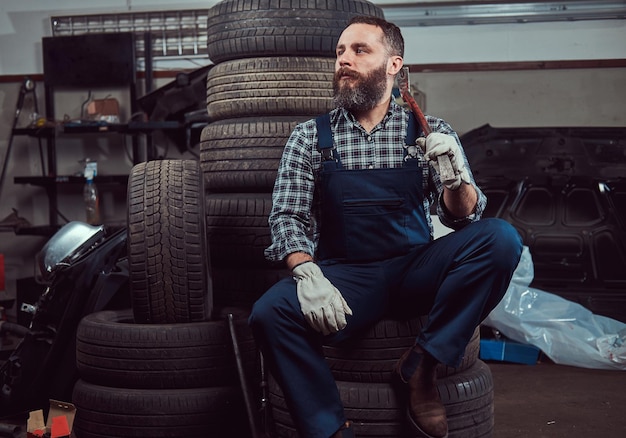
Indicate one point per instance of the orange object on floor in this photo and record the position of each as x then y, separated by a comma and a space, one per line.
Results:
60, 427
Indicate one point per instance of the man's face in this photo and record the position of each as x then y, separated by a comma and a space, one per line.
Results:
361, 70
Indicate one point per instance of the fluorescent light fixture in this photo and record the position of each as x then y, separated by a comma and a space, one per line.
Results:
464, 13
175, 34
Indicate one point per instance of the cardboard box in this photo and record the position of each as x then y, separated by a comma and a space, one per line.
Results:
59, 423
508, 351
107, 110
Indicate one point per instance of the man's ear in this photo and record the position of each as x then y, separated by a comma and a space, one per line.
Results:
394, 65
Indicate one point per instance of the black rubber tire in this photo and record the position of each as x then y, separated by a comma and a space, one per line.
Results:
237, 228
238, 234
107, 412
373, 356
242, 155
248, 28
377, 410
111, 350
264, 87
167, 248
244, 285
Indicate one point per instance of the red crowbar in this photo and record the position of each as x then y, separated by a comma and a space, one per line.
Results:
446, 172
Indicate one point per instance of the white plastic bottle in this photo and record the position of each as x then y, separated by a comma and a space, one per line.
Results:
91, 198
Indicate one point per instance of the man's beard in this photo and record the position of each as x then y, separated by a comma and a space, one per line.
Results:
363, 92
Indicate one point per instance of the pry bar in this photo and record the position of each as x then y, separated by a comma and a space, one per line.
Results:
446, 172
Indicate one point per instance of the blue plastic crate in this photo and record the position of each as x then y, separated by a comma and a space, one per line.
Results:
508, 351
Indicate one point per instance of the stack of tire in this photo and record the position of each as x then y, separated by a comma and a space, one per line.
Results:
274, 63
165, 367
376, 405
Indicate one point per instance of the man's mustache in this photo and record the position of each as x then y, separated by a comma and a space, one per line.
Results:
343, 71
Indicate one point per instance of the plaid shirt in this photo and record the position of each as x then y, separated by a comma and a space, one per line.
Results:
295, 216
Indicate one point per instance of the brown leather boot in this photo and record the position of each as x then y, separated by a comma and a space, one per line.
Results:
426, 412
344, 431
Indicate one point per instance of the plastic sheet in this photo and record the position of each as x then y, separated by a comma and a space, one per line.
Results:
566, 332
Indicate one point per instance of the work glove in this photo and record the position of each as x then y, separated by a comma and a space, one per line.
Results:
323, 306
437, 144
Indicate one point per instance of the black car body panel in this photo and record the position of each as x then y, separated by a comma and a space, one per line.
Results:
564, 189
43, 365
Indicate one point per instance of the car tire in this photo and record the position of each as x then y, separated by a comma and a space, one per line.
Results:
242, 154
168, 258
265, 87
108, 412
247, 28
237, 228
378, 410
112, 350
372, 356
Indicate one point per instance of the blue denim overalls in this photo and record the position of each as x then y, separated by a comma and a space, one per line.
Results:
375, 248
370, 214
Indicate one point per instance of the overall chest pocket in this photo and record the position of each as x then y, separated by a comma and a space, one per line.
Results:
375, 228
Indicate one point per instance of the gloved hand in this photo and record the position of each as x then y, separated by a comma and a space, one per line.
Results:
323, 306
437, 144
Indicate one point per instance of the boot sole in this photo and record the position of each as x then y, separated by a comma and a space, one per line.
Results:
415, 427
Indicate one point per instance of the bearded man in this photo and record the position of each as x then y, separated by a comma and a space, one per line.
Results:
351, 220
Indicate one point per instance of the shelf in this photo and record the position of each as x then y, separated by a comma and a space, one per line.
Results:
100, 127
43, 132
69, 65
123, 128
67, 179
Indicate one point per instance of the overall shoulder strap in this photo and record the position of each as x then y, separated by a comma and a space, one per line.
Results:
410, 148
411, 130
330, 159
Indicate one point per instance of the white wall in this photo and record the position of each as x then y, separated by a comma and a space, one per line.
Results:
516, 42
526, 98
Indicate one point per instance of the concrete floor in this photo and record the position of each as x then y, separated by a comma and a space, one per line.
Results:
546, 400
555, 401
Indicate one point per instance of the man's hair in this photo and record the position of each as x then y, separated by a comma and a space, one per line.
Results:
391, 33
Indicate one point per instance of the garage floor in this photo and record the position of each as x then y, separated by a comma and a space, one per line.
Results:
555, 401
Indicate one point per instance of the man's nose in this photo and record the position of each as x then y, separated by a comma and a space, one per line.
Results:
344, 59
